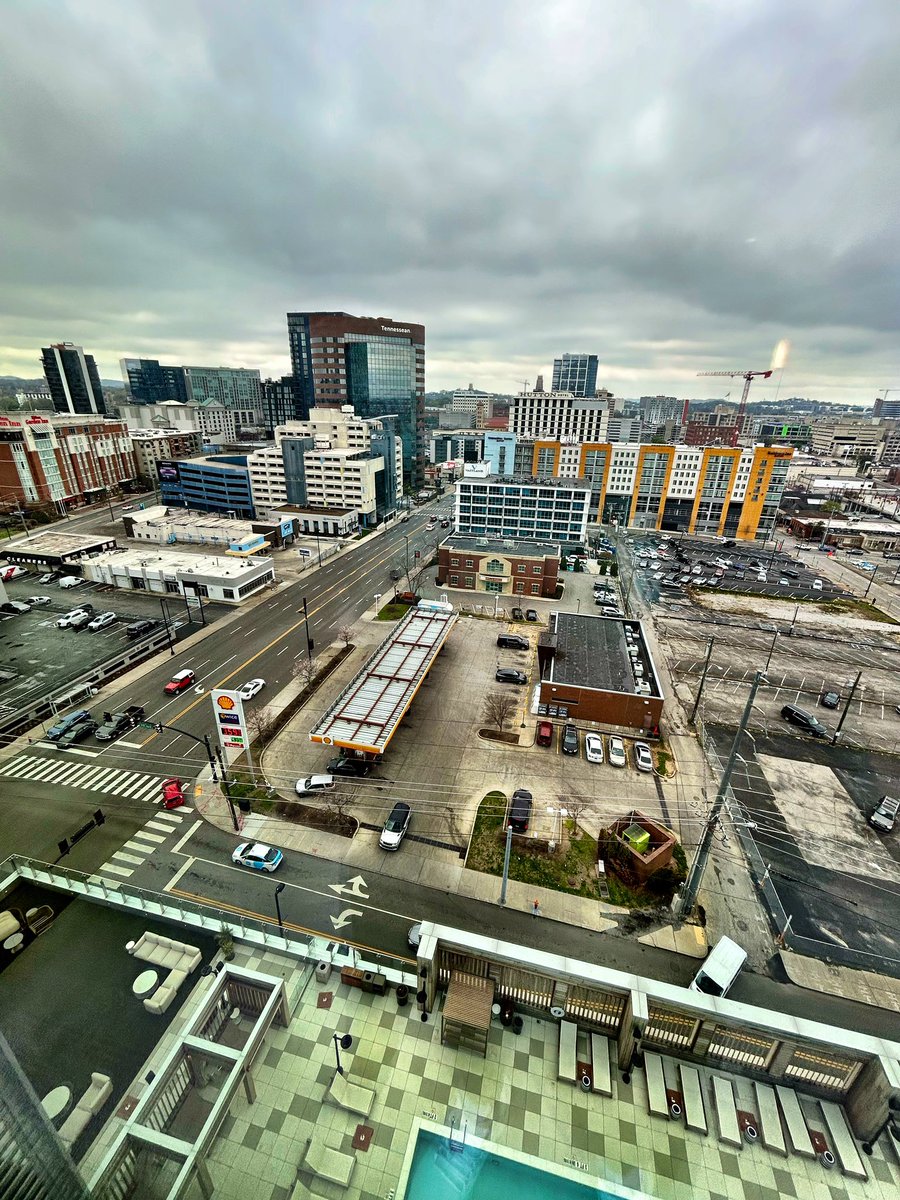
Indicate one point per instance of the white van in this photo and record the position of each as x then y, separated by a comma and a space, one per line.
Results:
720, 968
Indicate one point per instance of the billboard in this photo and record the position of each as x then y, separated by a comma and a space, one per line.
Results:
229, 717
168, 470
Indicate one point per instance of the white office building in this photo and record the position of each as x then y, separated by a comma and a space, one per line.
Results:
546, 509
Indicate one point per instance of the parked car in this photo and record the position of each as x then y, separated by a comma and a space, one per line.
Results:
258, 856
48, 577
570, 743
520, 810
518, 615
720, 969
15, 607
70, 581
178, 682
593, 747
395, 827
349, 765
103, 620
76, 733
509, 675
38, 601
119, 723
643, 759
79, 621
616, 750
803, 720
531, 615
817, 585
544, 735
314, 783
139, 628
251, 688
830, 699
512, 641
885, 815
62, 726
173, 793
66, 619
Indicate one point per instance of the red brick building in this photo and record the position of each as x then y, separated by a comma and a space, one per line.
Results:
67, 457
504, 567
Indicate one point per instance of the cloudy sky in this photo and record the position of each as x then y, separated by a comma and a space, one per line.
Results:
674, 185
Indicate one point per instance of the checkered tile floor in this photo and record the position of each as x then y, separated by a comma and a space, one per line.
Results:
512, 1097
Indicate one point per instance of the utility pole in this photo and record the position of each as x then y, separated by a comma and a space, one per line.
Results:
709, 646
871, 581
771, 652
226, 788
165, 617
840, 724
688, 895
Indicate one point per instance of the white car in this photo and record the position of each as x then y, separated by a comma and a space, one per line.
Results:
643, 759
817, 585
71, 617
38, 601
257, 855
314, 783
102, 620
70, 581
251, 688
593, 747
617, 752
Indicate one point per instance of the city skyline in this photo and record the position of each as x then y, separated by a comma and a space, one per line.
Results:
710, 207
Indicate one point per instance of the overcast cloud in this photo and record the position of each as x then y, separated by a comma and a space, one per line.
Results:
674, 186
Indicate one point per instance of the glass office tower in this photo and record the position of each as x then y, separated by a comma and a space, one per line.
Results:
575, 373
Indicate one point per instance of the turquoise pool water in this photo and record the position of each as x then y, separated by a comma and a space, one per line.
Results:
439, 1173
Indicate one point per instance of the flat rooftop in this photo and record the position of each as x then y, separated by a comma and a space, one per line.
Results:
592, 652
522, 547
175, 561
570, 484
57, 545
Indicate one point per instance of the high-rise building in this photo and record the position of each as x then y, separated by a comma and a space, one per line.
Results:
48, 457
149, 382
575, 373
281, 402
560, 415
371, 363
73, 379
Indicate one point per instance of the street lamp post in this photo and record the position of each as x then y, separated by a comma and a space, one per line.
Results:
771, 650
342, 1041
279, 888
165, 617
205, 742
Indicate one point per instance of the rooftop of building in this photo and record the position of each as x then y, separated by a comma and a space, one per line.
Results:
578, 485
225, 462
518, 547
54, 544
150, 435
593, 652
181, 518
176, 562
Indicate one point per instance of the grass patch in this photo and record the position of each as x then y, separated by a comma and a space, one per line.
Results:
572, 869
859, 608
393, 611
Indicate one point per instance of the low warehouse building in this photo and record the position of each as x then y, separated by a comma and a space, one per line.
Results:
212, 576
599, 669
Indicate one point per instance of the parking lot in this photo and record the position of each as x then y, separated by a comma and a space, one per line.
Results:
37, 657
442, 768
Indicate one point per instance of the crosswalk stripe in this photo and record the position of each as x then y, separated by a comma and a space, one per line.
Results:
109, 780
27, 769
150, 791
121, 856
114, 870
100, 777
134, 784
150, 837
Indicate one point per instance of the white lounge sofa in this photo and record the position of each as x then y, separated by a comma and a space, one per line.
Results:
89, 1104
165, 953
352, 1096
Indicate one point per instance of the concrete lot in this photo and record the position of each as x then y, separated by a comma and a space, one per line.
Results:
41, 658
438, 764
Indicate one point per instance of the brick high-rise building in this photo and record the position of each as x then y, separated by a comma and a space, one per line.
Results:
375, 364
46, 457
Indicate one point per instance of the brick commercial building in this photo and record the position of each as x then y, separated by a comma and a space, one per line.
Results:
372, 363
48, 459
504, 567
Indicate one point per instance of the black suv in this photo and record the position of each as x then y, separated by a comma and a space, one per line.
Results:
508, 675
139, 628
570, 740
512, 641
343, 765
803, 720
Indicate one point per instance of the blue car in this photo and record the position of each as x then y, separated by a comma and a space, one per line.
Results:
257, 856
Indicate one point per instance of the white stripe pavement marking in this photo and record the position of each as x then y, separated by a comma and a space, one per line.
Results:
114, 870
78, 774
121, 856
155, 824
177, 847
134, 844
83, 753
27, 769
135, 784
150, 837
188, 862
148, 791
129, 745
101, 778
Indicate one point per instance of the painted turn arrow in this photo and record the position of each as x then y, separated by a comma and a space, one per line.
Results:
345, 918
356, 886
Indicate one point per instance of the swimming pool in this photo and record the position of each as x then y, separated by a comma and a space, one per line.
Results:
484, 1171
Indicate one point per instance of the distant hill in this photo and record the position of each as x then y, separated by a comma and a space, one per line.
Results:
17, 383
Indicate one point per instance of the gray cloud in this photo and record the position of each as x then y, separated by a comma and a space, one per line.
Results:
673, 186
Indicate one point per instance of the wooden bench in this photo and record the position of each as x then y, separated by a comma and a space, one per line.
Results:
770, 1130
842, 1142
797, 1129
568, 1039
600, 1064
694, 1111
726, 1112
656, 1085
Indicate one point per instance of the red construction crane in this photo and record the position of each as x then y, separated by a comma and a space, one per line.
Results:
742, 407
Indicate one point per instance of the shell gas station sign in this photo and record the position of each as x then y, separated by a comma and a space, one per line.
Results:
230, 724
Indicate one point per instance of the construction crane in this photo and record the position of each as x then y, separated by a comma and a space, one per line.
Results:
742, 407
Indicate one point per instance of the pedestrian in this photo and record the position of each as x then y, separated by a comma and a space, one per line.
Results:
536, 909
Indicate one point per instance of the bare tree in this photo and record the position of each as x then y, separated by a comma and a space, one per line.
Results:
337, 801
345, 633
261, 723
305, 671
498, 707
575, 806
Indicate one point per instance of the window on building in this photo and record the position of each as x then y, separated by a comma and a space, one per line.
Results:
172, 586
454, 562
470, 562
536, 570
470, 581
139, 585
454, 580
521, 568
535, 589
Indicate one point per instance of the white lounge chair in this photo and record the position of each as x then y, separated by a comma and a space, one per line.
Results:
656, 1085
726, 1111
328, 1163
694, 1110
798, 1130
568, 1040
352, 1096
842, 1142
770, 1131
600, 1064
